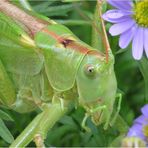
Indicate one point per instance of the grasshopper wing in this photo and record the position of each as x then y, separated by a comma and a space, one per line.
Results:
61, 63
17, 50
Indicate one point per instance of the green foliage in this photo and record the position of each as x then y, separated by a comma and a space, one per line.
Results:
143, 68
78, 16
5, 116
5, 133
53, 8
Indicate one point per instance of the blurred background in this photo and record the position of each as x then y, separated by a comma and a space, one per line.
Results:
78, 17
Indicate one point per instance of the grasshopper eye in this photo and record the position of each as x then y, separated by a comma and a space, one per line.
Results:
90, 71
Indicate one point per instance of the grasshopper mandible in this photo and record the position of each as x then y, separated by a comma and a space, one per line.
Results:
44, 65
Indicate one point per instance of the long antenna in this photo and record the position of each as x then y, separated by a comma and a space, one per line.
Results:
107, 45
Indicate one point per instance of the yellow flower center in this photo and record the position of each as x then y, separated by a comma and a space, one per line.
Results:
145, 131
141, 13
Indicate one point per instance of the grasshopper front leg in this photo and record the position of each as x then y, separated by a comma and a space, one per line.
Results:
38, 128
110, 122
119, 97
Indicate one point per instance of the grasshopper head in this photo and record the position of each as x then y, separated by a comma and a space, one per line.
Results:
96, 84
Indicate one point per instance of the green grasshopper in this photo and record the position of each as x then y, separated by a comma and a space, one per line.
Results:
44, 65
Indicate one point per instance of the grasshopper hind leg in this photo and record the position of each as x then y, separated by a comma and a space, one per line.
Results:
38, 128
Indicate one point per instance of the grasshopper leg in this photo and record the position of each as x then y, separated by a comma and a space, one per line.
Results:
119, 97
83, 124
109, 121
39, 141
92, 111
40, 125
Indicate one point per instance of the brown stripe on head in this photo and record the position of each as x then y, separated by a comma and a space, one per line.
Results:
73, 44
97, 53
69, 43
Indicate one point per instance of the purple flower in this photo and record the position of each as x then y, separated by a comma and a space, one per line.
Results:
131, 23
140, 126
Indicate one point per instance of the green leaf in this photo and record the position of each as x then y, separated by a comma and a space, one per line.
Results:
43, 5
5, 116
5, 133
121, 51
61, 10
143, 64
73, 22
24, 4
71, 0
66, 120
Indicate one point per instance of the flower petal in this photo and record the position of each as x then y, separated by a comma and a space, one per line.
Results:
121, 4
137, 45
127, 36
119, 28
144, 110
116, 16
136, 130
146, 41
140, 119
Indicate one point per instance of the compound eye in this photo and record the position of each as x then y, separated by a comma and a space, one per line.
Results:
90, 70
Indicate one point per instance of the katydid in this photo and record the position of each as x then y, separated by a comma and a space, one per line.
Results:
44, 65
